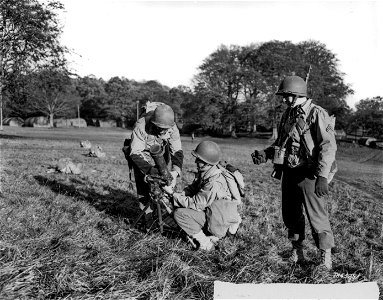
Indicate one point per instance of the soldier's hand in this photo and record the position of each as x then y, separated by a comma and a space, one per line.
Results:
153, 171
321, 186
258, 157
167, 189
175, 200
179, 200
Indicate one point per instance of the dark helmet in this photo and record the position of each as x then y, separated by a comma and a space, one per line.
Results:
163, 116
208, 152
294, 85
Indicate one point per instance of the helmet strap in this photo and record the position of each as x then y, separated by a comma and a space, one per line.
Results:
294, 100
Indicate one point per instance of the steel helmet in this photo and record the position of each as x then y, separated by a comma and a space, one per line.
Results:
208, 152
163, 116
294, 85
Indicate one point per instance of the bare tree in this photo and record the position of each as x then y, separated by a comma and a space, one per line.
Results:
52, 92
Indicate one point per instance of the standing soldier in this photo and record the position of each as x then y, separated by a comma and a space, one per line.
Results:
305, 153
156, 127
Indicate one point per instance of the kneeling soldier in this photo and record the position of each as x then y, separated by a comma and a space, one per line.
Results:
207, 203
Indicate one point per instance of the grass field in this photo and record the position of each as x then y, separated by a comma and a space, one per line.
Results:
64, 236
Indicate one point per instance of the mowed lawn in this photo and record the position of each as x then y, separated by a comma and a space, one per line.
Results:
68, 236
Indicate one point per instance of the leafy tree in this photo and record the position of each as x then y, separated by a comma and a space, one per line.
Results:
177, 96
252, 80
29, 36
122, 96
204, 109
243, 81
326, 84
53, 93
219, 79
93, 97
16, 94
273, 61
369, 116
154, 91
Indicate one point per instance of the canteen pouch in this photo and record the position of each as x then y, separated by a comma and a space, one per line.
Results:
279, 155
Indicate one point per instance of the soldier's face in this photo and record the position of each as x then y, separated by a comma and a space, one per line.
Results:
161, 131
200, 164
288, 99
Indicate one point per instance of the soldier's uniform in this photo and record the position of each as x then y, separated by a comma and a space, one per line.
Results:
207, 201
143, 137
304, 153
308, 134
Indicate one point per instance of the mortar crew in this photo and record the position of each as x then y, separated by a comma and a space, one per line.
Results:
306, 131
206, 203
155, 127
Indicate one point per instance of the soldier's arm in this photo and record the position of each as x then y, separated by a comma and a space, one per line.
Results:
325, 138
192, 188
199, 201
138, 145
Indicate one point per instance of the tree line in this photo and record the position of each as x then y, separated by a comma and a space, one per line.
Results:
233, 90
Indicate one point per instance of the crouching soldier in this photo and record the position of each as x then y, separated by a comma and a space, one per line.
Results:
207, 204
154, 128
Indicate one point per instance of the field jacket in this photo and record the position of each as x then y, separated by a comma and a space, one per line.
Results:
318, 147
209, 186
143, 137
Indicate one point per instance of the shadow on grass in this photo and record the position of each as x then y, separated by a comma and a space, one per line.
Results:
114, 202
13, 137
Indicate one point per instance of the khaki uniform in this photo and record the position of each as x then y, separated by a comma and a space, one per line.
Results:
305, 159
142, 138
207, 202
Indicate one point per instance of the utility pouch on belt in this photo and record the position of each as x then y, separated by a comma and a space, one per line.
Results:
294, 155
279, 155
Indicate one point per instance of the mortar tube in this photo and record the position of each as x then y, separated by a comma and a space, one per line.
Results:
157, 152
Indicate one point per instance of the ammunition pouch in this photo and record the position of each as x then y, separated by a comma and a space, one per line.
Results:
295, 158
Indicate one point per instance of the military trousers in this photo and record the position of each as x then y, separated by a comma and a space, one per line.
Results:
217, 218
143, 188
298, 193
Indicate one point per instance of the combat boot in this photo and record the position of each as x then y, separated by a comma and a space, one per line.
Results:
205, 243
214, 239
325, 259
297, 255
234, 227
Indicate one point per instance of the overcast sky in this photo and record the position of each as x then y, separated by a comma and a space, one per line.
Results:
167, 41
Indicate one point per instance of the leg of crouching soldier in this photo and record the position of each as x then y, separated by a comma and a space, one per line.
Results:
319, 221
143, 190
292, 212
192, 222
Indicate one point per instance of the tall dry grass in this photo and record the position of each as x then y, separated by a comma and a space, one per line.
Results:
64, 236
